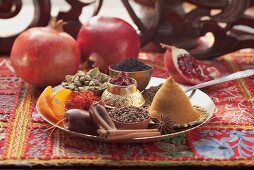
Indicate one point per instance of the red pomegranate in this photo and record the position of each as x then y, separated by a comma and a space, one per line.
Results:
42, 56
107, 40
186, 69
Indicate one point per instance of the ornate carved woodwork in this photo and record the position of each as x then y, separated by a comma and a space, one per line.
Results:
72, 16
159, 21
183, 29
11, 8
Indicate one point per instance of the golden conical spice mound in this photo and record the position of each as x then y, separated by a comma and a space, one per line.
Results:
172, 101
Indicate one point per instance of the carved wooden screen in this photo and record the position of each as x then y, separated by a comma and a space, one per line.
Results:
169, 23
173, 25
42, 14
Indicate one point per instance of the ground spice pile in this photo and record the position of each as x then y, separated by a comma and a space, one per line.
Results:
81, 100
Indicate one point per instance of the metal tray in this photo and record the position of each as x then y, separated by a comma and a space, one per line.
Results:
199, 98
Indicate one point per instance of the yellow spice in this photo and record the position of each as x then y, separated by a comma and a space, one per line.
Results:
171, 100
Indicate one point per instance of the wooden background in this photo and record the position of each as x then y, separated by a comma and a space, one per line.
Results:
175, 22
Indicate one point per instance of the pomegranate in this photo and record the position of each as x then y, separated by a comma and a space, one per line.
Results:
186, 69
106, 41
42, 56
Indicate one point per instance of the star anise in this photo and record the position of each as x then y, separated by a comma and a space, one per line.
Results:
163, 123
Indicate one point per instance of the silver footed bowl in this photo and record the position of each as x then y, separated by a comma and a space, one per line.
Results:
120, 96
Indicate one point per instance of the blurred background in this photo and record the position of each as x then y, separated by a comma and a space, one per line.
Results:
23, 19
207, 29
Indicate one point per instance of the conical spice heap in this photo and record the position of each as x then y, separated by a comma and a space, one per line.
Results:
171, 101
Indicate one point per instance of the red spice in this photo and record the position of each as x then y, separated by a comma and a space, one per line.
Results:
122, 79
81, 100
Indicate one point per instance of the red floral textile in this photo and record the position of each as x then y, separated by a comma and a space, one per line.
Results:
228, 138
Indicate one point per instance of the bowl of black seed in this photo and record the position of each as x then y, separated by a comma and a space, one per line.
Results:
130, 117
136, 69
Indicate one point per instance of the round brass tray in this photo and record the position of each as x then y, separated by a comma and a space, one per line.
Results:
199, 98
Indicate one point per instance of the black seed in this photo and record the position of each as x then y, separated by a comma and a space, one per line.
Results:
130, 65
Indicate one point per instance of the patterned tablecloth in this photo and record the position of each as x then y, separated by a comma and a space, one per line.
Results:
226, 140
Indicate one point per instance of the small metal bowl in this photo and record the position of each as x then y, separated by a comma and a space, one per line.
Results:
142, 77
120, 96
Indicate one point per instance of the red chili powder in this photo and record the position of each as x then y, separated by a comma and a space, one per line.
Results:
81, 100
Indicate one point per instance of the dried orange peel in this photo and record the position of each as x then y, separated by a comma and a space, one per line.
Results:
52, 105
43, 104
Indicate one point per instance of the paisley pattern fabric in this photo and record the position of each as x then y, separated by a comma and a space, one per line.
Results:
226, 140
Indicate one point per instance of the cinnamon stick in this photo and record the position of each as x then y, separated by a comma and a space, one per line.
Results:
104, 114
127, 134
104, 132
132, 135
98, 119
